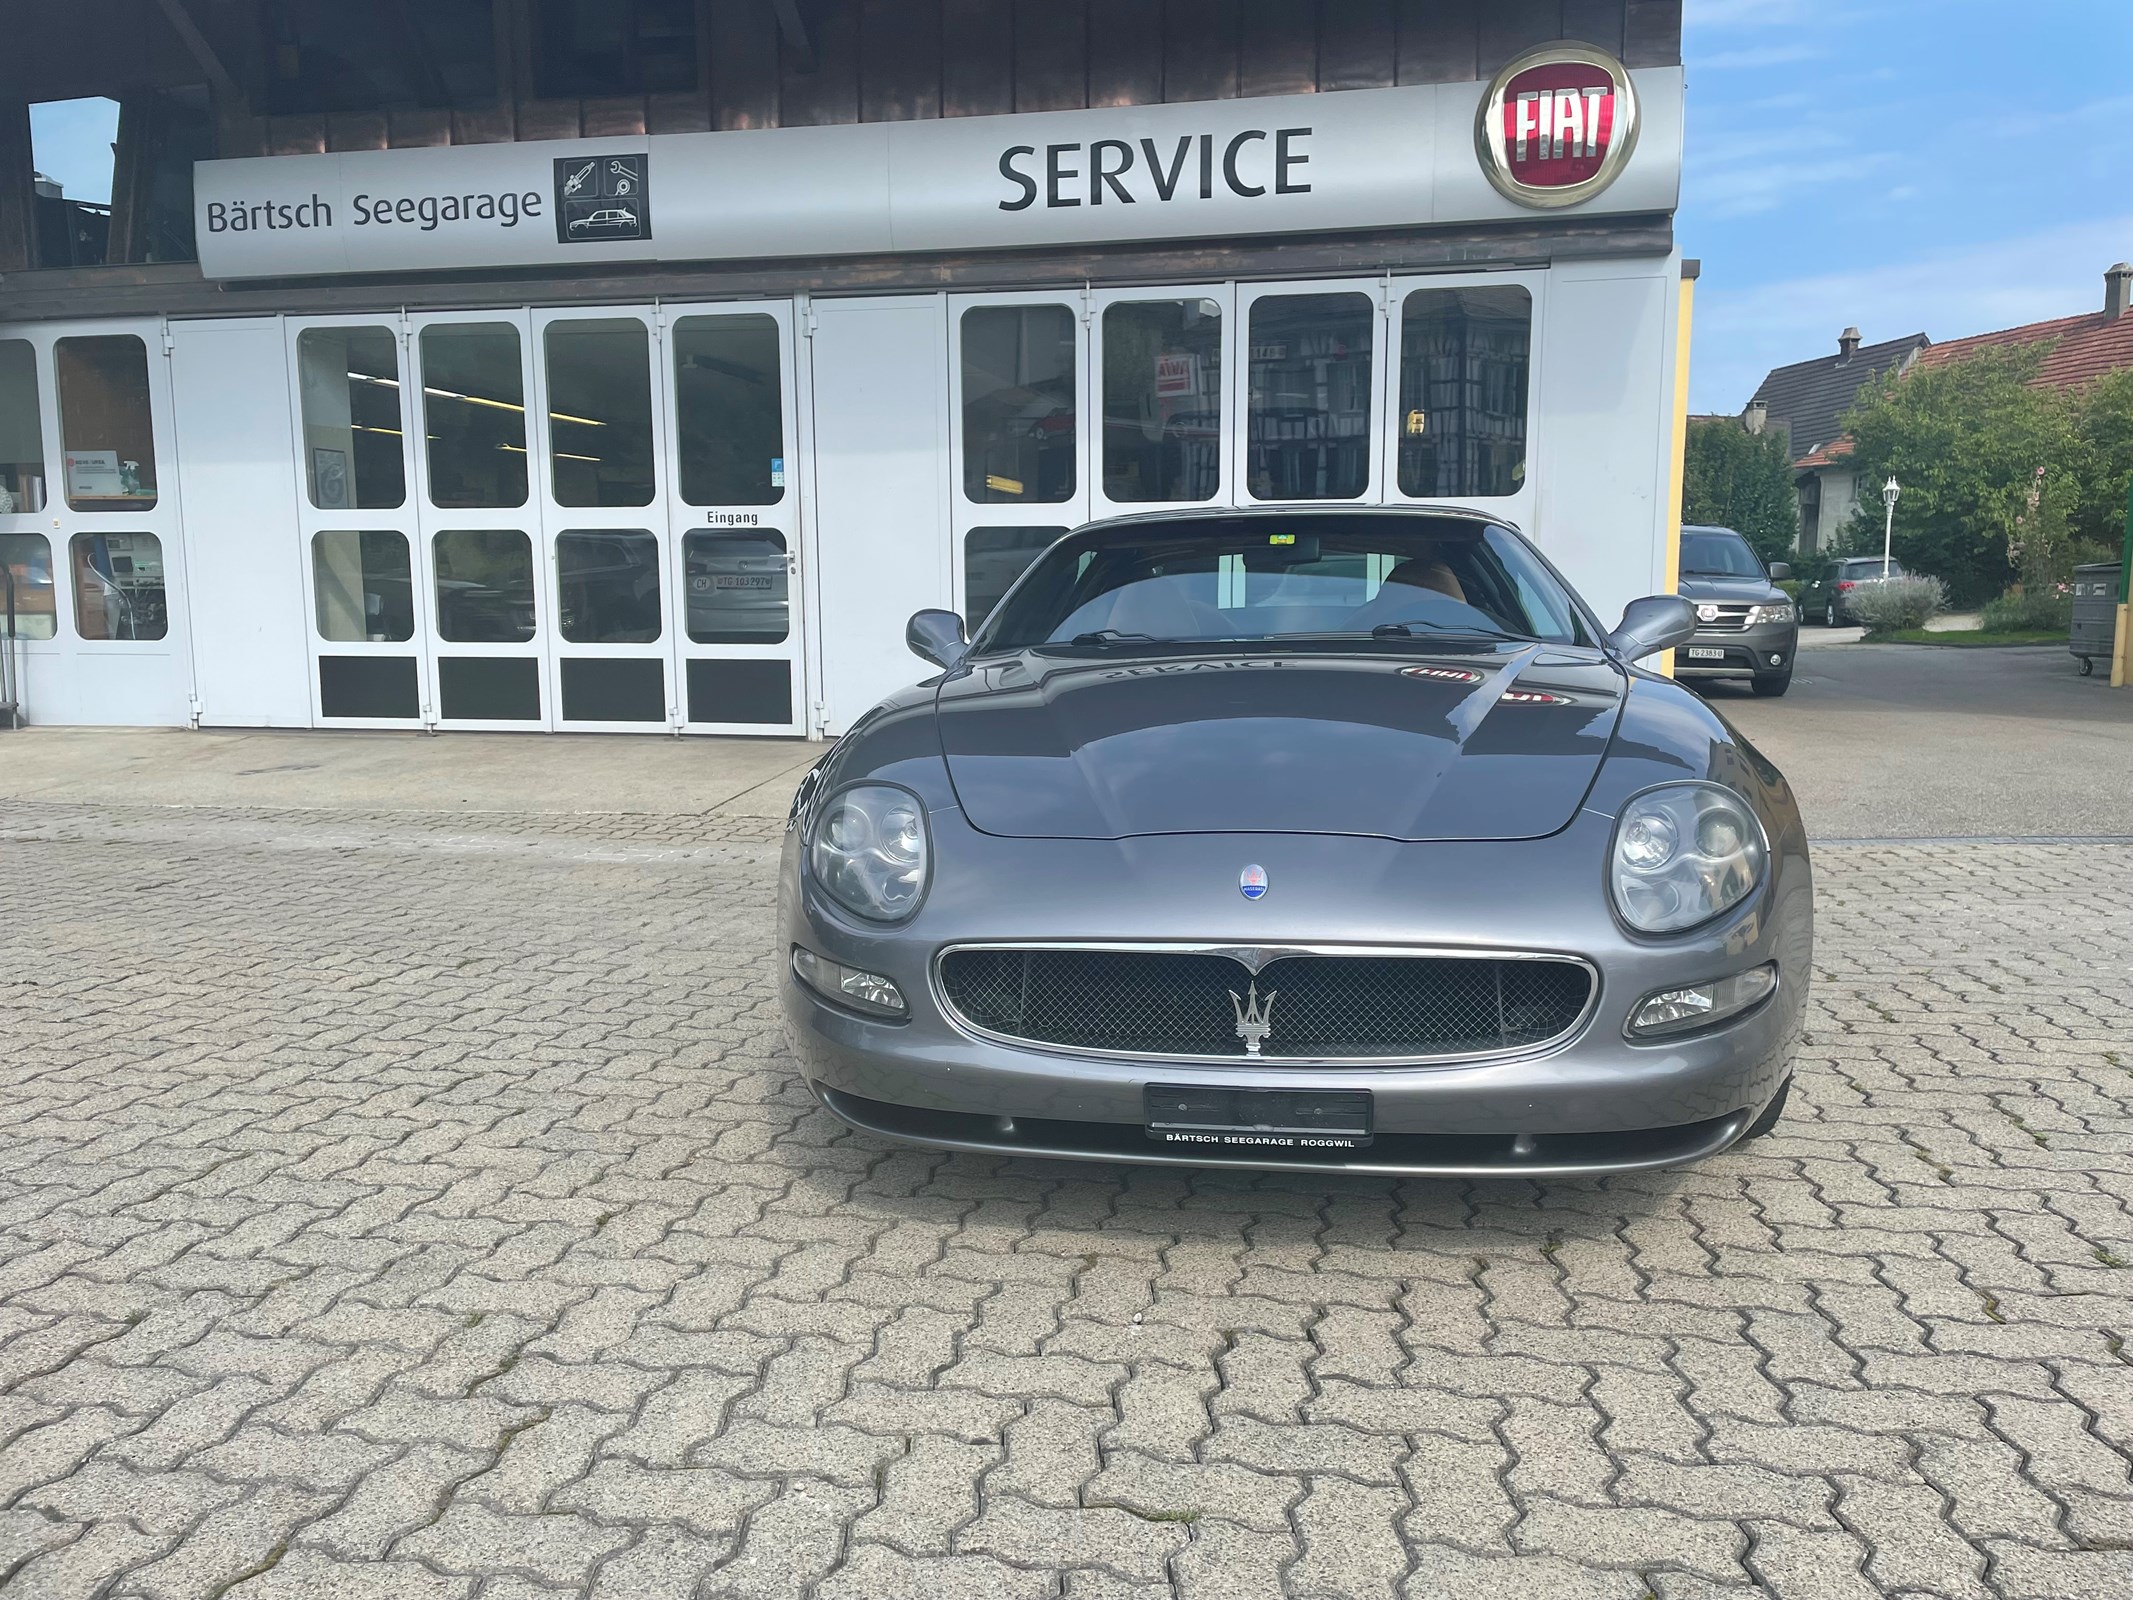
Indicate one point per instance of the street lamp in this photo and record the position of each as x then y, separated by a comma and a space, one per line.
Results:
1889, 492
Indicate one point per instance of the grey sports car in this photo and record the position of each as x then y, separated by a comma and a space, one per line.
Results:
1305, 839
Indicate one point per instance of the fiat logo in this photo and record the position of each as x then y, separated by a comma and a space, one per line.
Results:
1556, 125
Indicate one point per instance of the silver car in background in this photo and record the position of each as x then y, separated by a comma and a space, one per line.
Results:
1321, 839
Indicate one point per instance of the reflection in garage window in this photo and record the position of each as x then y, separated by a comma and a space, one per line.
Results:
484, 585
737, 586
1461, 420
118, 586
28, 560
1163, 400
105, 423
600, 411
993, 558
729, 410
1018, 403
21, 430
354, 453
1310, 396
474, 410
363, 585
607, 586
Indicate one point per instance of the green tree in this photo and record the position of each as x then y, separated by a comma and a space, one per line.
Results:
2103, 467
1967, 442
1735, 479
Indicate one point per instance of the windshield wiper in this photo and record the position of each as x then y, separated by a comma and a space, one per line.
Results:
1112, 636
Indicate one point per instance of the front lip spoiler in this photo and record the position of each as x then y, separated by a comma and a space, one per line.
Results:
1462, 1155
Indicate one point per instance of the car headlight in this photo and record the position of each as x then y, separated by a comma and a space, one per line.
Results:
870, 851
1758, 615
1682, 855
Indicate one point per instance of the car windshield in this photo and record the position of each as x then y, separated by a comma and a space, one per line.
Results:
1301, 577
1717, 555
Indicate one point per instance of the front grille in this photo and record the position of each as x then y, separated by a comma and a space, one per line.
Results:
1352, 1007
1730, 619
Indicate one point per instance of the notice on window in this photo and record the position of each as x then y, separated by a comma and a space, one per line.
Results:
94, 475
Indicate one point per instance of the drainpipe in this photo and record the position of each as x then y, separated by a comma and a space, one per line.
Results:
2122, 646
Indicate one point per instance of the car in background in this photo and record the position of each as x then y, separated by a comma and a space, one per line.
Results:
1746, 627
1822, 597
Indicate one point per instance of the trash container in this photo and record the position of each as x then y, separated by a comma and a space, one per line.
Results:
2095, 613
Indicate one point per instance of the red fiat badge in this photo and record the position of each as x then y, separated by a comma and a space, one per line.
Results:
1556, 125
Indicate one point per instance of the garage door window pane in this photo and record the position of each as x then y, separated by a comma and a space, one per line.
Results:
993, 558
607, 586
474, 405
600, 411
28, 560
354, 453
104, 422
118, 586
1163, 400
21, 430
363, 585
729, 408
1018, 404
1461, 420
1310, 396
484, 586
738, 592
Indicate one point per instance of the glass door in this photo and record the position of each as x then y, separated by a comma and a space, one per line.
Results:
1019, 436
1463, 353
601, 487
369, 616
1159, 396
480, 523
1309, 390
734, 514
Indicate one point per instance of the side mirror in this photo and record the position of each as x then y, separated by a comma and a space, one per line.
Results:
1657, 622
1780, 571
936, 636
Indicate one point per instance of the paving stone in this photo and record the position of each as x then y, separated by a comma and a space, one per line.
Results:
425, 1204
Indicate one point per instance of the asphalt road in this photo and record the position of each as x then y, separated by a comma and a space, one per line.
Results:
1914, 741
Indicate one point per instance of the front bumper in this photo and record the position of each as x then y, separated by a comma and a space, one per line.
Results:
1757, 651
1595, 1102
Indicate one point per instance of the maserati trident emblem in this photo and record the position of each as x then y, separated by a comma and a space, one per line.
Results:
1254, 1019
1251, 882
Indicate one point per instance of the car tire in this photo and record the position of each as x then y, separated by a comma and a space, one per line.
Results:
1770, 1114
1829, 615
1770, 685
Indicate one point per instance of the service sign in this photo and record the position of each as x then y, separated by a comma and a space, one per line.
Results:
1342, 162
1557, 125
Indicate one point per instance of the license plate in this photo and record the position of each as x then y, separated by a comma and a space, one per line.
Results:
740, 583
1705, 652
1198, 1116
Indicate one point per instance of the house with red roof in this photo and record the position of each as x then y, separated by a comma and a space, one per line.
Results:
1807, 399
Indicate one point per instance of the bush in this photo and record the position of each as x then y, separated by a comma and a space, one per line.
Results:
2041, 608
1788, 587
1887, 605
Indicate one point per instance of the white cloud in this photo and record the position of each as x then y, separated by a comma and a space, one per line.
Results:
1743, 330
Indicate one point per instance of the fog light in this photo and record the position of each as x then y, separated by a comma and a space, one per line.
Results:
1777, 660
1684, 1010
848, 986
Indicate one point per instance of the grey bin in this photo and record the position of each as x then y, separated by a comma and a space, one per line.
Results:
2095, 613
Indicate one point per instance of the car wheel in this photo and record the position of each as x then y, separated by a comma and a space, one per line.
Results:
1772, 684
1769, 1119
2088, 666
1829, 615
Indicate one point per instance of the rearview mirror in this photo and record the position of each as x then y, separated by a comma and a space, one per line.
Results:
1655, 623
1780, 571
936, 636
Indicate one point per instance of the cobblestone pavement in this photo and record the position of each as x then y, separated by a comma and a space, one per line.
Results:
404, 1206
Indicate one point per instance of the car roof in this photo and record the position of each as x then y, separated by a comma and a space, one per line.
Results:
1147, 519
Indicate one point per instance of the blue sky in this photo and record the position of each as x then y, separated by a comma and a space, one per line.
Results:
1909, 166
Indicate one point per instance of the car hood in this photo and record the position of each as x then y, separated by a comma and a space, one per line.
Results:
1480, 743
1751, 591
